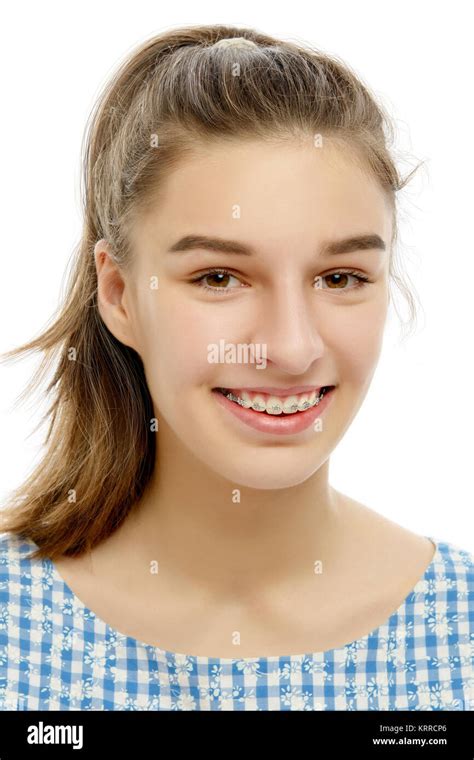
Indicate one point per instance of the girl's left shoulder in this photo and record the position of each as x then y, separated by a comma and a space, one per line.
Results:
449, 579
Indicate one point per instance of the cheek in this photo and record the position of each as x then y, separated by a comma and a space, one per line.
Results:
176, 339
356, 339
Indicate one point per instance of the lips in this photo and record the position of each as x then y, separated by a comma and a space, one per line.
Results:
276, 424
281, 405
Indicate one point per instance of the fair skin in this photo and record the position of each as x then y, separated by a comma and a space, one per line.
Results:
237, 578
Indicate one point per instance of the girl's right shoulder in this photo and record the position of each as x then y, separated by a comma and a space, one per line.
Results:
21, 584
20, 579
15, 558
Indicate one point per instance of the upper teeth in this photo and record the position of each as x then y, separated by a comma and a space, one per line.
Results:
274, 404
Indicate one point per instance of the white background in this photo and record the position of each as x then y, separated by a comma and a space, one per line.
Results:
408, 453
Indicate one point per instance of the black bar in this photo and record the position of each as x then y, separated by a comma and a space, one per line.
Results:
131, 734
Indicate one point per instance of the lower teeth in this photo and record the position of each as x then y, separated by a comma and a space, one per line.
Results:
228, 394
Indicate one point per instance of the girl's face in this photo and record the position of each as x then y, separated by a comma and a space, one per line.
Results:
287, 301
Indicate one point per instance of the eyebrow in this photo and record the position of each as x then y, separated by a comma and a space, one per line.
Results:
221, 245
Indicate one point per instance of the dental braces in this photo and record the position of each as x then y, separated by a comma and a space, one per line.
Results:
275, 408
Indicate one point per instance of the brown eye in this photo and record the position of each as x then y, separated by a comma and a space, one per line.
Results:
221, 279
337, 281
338, 278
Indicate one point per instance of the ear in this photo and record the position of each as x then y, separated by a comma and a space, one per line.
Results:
112, 294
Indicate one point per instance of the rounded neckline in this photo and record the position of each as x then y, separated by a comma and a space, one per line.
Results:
170, 654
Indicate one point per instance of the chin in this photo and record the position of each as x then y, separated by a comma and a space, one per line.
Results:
266, 470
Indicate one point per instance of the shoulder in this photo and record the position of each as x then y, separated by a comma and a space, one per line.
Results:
453, 567
445, 597
23, 578
19, 576
23, 581
15, 557
432, 635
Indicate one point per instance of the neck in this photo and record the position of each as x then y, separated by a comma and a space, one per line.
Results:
210, 533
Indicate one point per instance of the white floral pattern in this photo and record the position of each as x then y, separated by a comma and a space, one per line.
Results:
56, 654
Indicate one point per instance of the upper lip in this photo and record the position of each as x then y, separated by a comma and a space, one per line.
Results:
282, 391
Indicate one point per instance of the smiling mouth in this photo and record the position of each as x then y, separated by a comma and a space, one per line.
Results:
273, 406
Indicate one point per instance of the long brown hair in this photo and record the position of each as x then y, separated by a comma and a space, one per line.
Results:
172, 94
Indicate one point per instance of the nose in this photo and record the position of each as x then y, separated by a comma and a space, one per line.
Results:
288, 327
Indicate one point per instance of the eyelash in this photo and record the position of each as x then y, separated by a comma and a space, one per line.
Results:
362, 280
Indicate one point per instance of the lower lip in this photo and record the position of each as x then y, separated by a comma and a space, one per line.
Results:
275, 423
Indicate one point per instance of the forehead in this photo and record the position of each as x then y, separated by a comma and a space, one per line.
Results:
270, 192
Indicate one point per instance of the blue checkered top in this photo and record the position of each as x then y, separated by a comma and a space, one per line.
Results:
56, 654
